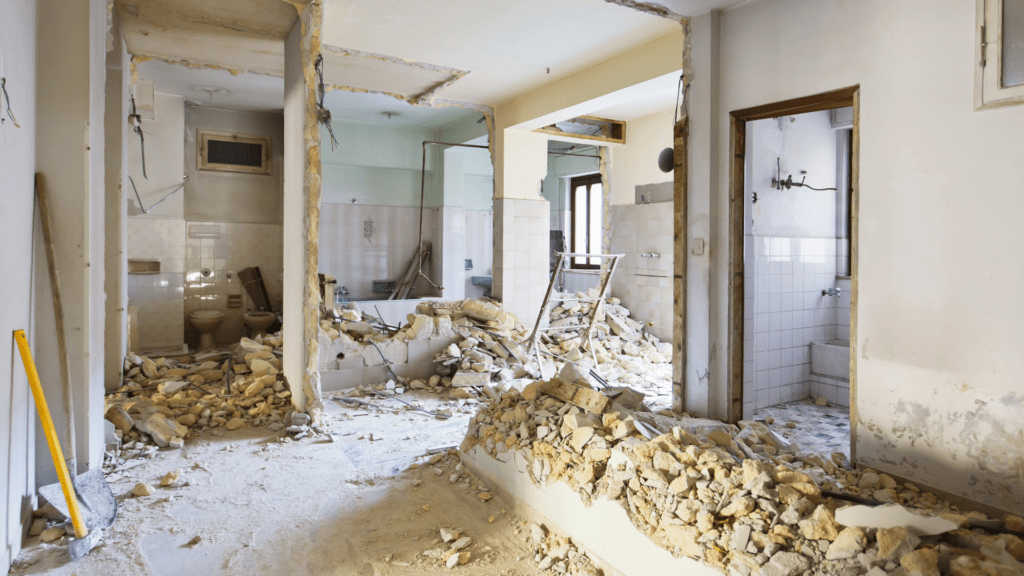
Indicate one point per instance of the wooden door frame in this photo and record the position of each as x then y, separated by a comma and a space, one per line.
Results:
841, 98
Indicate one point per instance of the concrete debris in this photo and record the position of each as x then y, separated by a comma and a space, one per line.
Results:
142, 489
170, 478
51, 534
733, 497
162, 400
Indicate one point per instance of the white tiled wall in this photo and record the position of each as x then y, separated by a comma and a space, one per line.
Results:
645, 284
479, 248
784, 311
521, 259
360, 243
239, 246
160, 297
836, 390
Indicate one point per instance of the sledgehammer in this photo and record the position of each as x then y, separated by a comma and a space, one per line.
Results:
84, 540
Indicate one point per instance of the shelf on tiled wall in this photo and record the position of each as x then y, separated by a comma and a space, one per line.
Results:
644, 284
159, 297
784, 311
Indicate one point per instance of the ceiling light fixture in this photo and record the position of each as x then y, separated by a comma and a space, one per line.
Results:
391, 115
211, 91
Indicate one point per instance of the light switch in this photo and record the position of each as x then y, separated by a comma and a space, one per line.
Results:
698, 246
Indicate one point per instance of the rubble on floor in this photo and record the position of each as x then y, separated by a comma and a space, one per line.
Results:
163, 400
489, 346
736, 497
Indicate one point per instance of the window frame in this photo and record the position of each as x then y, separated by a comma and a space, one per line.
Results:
988, 89
586, 180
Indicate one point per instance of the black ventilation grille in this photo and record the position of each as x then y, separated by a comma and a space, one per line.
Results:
234, 153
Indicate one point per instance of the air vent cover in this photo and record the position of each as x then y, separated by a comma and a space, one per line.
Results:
229, 152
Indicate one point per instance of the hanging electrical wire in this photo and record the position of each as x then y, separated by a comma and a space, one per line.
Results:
136, 121
7, 101
323, 115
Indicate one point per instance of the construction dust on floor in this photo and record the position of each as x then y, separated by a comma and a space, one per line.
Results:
380, 481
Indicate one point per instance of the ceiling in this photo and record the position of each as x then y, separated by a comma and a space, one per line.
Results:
489, 50
507, 46
372, 108
255, 92
657, 95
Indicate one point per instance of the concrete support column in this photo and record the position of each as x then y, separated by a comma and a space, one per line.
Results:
522, 223
69, 153
302, 189
705, 382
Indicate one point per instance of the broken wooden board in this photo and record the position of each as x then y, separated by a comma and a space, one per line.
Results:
587, 398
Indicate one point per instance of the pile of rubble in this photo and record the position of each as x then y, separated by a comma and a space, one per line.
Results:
162, 399
738, 498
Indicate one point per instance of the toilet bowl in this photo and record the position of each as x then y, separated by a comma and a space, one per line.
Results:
258, 322
206, 321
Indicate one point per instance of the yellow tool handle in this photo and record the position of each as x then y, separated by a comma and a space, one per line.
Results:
51, 435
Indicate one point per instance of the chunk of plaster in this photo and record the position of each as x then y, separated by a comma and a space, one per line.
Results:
891, 516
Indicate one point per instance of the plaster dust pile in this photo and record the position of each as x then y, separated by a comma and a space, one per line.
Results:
163, 400
738, 497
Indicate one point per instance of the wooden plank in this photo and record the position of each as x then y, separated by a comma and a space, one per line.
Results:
737, 202
681, 229
58, 315
854, 268
825, 101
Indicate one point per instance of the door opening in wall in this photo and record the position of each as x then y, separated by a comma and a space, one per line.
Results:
585, 207
793, 267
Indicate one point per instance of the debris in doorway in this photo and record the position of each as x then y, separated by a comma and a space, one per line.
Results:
821, 402
735, 497
162, 400
142, 489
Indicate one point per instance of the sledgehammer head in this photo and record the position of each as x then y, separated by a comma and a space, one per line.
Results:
79, 547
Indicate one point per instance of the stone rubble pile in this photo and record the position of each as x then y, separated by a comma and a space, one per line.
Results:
489, 347
163, 400
738, 498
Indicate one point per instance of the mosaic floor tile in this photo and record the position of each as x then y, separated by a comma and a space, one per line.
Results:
819, 429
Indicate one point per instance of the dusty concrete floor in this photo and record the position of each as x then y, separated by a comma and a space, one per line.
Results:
263, 505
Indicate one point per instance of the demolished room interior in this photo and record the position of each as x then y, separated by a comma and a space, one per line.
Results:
326, 287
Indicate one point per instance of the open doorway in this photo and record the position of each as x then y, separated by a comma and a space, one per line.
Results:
794, 266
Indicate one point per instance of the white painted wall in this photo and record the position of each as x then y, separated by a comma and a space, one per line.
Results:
233, 196
380, 165
69, 152
17, 158
636, 163
165, 160
805, 142
294, 216
939, 373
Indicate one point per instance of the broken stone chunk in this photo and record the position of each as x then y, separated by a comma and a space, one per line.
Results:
142, 489
51, 534
820, 526
235, 424
895, 543
784, 564
848, 544
162, 429
170, 478
462, 379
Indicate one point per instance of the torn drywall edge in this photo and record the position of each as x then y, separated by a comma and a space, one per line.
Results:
649, 8
140, 58
428, 96
393, 60
312, 27
680, 142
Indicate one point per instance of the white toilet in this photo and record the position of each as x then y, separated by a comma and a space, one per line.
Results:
258, 322
206, 322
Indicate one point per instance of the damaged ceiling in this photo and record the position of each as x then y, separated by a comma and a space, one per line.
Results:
374, 108
506, 49
246, 35
215, 88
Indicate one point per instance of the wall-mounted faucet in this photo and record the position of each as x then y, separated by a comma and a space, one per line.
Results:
831, 291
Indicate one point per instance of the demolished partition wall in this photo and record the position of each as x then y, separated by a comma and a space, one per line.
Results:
936, 377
